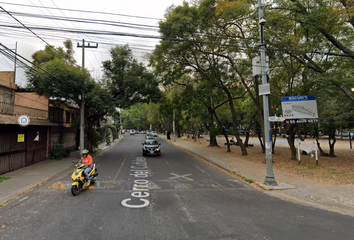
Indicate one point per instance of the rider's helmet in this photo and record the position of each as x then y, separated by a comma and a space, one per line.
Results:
85, 153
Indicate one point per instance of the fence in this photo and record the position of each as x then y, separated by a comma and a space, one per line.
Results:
6, 108
16, 110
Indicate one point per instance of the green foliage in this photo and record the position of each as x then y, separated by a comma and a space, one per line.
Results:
57, 151
230, 132
61, 79
108, 137
96, 138
243, 177
140, 116
2, 179
114, 131
129, 81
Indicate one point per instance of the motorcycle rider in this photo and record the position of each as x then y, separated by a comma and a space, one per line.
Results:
87, 160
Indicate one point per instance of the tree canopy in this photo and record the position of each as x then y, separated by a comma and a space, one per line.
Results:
129, 81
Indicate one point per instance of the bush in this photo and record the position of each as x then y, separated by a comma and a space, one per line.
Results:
58, 152
108, 137
230, 132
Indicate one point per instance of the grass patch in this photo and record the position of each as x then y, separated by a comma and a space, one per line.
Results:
309, 166
243, 177
2, 179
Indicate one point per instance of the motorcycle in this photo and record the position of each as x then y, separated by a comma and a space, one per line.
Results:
79, 179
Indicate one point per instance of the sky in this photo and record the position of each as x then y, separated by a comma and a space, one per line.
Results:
29, 25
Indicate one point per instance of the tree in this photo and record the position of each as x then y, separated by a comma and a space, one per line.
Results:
297, 30
129, 81
198, 53
55, 76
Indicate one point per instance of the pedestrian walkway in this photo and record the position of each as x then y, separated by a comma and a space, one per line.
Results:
333, 198
27, 178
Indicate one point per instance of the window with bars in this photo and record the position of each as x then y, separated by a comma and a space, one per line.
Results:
67, 117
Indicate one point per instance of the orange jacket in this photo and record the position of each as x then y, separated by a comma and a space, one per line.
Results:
87, 160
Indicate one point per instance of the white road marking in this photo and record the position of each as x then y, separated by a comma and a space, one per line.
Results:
180, 176
202, 170
115, 177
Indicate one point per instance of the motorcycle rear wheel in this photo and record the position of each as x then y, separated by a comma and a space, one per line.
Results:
75, 190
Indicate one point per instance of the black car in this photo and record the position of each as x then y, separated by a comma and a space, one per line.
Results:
151, 146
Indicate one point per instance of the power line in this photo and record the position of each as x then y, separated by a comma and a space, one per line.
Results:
30, 30
124, 34
91, 21
22, 61
84, 11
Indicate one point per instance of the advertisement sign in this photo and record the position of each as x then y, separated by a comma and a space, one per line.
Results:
300, 109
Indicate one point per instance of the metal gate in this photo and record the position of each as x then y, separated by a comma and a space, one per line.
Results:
19, 148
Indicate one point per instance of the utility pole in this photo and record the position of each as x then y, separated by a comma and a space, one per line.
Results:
82, 108
270, 179
12, 100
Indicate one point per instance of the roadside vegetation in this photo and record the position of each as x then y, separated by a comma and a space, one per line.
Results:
200, 75
2, 179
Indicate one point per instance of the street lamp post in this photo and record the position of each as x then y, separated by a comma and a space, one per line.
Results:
270, 179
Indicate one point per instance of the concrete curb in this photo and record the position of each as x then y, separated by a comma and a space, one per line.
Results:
281, 195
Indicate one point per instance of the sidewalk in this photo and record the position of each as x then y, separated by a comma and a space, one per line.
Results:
329, 197
27, 178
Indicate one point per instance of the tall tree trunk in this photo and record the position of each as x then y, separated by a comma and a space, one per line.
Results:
332, 140
213, 142
168, 126
322, 153
291, 141
234, 121
223, 132
274, 139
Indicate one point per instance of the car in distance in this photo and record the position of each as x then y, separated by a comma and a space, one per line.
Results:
154, 134
143, 132
149, 136
151, 146
132, 132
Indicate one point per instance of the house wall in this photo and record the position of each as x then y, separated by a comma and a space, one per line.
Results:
7, 79
64, 118
31, 100
5, 95
69, 137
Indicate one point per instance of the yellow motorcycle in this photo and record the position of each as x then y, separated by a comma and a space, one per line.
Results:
79, 179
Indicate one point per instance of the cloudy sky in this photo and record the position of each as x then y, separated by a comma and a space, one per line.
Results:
31, 24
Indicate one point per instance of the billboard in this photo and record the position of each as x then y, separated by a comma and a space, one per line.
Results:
300, 109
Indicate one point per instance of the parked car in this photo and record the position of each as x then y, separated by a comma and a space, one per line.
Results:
151, 147
154, 134
132, 132
143, 132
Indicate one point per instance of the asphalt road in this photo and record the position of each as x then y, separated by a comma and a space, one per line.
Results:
172, 196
